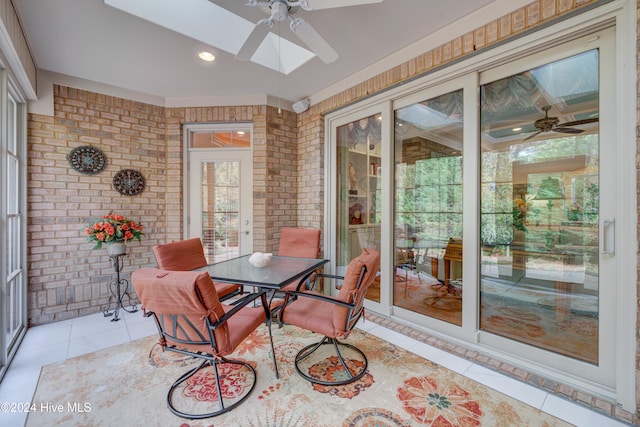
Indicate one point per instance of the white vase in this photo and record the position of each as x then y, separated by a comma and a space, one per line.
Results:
116, 248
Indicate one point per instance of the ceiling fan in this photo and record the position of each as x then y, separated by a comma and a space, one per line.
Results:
547, 124
279, 10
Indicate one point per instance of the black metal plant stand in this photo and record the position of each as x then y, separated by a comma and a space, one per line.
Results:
119, 289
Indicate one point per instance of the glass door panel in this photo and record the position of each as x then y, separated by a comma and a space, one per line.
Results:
427, 233
220, 213
220, 202
359, 208
540, 166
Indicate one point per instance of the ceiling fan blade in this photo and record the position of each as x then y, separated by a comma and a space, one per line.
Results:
532, 135
254, 40
313, 40
327, 4
579, 122
567, 130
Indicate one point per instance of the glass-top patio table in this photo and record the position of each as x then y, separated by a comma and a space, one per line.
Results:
279, 272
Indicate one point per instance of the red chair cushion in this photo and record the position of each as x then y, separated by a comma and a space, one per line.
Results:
187, 255
369, 258
330, 319
182, 255
191, 293
311, 314
299, 242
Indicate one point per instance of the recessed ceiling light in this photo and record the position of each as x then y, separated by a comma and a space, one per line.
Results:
240, 132
516, 129
206, 56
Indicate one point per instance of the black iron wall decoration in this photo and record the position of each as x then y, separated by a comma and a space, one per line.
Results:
87, 160
129, 182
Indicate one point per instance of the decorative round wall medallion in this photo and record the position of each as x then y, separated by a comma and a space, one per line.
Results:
128, 182
87, 160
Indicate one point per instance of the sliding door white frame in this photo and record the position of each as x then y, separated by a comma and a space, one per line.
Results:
619, 385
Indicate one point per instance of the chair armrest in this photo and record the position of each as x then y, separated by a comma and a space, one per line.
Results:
331, 276
241, 304
323, 275
316, 296
321, 297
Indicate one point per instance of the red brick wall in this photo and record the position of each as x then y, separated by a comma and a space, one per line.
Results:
281, 175
66, 277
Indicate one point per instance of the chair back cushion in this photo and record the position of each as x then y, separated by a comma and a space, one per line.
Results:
182, 255
299, 242
354, 289
182, 302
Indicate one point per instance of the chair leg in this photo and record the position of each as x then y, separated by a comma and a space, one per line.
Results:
348, 374
221, 400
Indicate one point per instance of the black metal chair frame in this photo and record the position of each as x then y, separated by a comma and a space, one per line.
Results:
352, 318
210, 359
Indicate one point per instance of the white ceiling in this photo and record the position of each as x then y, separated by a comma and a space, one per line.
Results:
89, 40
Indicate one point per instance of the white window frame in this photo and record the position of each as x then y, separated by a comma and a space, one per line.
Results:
9, 345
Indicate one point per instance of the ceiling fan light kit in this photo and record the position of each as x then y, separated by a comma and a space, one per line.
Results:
279, 10
547, 124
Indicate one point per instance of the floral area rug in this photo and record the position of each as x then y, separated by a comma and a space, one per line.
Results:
126, 385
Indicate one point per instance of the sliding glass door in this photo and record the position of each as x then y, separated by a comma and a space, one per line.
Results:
493, 199
540, 207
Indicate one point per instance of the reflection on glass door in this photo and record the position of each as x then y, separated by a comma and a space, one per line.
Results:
359, 188
539, 207
428, 207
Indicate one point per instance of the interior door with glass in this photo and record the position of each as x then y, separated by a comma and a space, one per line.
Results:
220, 192
548, 272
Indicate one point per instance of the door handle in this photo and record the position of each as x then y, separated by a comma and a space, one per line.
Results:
608, 237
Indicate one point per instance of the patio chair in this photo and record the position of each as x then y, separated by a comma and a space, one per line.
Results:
299, 243
333, 317
187, 255
192, 321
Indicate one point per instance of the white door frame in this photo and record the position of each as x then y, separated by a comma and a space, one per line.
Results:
193, 158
